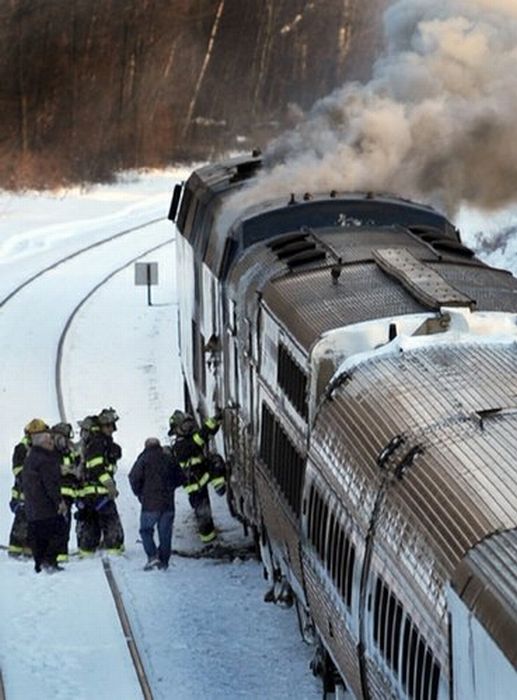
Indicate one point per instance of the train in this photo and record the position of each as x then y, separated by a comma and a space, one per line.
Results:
366, 363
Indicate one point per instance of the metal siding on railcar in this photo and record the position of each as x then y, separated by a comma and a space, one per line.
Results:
334, 478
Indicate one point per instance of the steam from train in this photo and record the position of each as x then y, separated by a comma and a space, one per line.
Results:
436, 122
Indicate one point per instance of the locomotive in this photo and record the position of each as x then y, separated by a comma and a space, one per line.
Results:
366, 362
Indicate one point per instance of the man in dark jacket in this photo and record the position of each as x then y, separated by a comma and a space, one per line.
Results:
18, 537
153, 478
43, 505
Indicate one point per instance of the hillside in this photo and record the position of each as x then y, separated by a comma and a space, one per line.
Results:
92, 86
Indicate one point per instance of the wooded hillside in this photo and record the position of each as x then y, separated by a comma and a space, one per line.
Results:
91, 86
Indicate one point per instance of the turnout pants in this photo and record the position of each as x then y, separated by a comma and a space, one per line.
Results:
19, 535
62, 552
200, 502
44, 537
100, 528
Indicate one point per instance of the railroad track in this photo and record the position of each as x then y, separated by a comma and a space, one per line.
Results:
117, 597
73, 255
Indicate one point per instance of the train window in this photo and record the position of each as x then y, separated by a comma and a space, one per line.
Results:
420, 670
393, 633
334, 548
317, 517
387, 625
376, 610
323, 530
281, 457
292, 379
330, 548
266, 442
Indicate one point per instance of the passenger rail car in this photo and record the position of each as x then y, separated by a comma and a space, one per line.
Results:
367, 364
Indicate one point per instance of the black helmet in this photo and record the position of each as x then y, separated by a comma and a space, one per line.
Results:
181, 423
87, 425
108, 416
64, 429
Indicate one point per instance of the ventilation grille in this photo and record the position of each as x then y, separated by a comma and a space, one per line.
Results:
296, 249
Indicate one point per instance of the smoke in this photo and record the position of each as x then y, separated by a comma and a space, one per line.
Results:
436, 123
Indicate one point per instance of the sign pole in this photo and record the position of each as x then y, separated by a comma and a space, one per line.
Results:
148, 274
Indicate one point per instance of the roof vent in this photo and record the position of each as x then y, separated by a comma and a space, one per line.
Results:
307, 256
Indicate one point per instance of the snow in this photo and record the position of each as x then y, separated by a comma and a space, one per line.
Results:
202, 627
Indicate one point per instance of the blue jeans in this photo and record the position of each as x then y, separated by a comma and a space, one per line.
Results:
148, 520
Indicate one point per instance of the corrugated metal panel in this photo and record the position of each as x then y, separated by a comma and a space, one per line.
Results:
486, 580
309, 303
281, 525
493, 290
328, 618
458, 491
355, 245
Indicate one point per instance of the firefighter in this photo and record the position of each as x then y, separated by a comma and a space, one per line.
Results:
18, 537
98, 520
70, 479
189, 449
43, 504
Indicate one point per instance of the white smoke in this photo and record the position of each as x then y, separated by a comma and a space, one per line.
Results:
437, 122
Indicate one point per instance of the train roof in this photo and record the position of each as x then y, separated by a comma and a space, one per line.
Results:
220, 232
450, 481
313, 281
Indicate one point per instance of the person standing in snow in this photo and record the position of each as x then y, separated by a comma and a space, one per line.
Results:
43, 505
98, 516
189, 449
70, 479
18, 537
154, 478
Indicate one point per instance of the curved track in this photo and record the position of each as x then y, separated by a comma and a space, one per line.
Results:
119, 604
73, 255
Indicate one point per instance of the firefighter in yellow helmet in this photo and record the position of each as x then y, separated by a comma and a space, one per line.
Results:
18, 537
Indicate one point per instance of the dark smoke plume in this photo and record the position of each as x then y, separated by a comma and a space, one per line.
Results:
437, 122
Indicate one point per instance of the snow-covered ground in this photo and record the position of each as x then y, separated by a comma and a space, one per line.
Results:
201, 627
